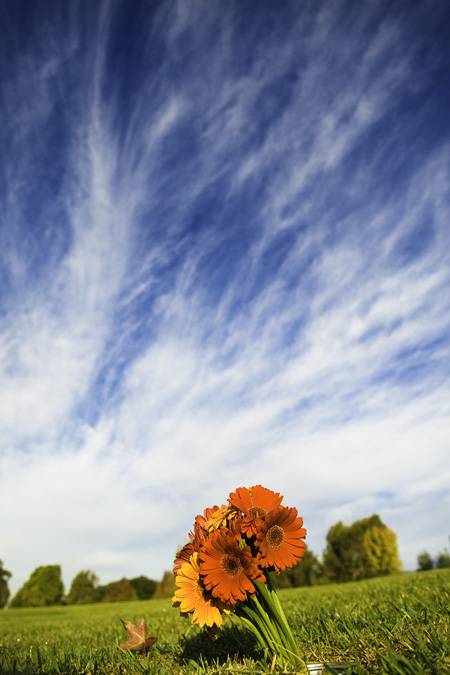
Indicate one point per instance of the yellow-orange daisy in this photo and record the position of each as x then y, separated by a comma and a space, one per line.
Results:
255, 503
280, 539
226, 569
191, 596
207, 513
221, 517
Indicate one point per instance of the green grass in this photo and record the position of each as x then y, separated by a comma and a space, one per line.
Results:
398, 625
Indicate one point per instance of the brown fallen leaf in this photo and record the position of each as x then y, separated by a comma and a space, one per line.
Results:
137, 637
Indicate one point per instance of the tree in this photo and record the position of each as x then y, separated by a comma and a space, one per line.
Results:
144, 587
345, 558
121, 591
381, 551
43, 588
307, 572
4, 590
103, 591
83, 589
166, 587
424, 562
443, 559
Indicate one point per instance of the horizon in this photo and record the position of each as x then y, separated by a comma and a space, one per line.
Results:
225, 261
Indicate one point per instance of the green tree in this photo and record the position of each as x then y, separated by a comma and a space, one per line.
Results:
381, 551
121, 591
166, 587
83, 589
43, 588
424, 562
443, 559
103, 591
344, 558
4, 590
307, 572
144, 587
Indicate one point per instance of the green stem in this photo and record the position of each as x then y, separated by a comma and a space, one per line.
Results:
282, 618
271, 610
264, 632
258, 625
265, 616
255, 631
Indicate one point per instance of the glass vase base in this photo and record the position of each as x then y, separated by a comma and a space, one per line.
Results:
336, 668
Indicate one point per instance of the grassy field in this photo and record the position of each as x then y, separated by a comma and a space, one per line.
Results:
399, 624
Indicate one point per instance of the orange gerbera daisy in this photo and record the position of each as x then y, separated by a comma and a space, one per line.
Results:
226, 569
280, 539
191, 596
255, 503
183, 556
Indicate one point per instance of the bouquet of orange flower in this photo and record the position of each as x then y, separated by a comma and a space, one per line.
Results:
225, 567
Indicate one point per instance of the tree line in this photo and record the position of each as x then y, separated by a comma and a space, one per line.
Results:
45, 588
426, 562
366, 548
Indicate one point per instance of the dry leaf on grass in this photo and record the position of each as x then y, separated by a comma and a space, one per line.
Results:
137, 637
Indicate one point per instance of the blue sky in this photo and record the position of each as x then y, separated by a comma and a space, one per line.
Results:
225, 251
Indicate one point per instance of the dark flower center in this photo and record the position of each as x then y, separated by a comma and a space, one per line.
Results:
275, 536
231, 565
256, 512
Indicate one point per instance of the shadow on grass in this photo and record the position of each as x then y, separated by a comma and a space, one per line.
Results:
234, 643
